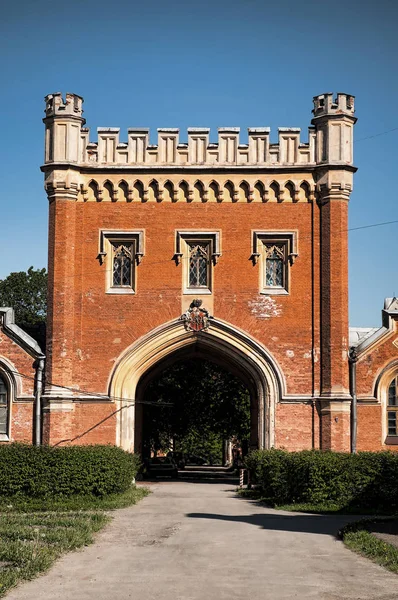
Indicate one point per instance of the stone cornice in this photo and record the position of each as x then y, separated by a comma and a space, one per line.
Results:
225, 168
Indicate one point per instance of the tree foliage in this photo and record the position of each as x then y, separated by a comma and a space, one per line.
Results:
26, 293
199, 404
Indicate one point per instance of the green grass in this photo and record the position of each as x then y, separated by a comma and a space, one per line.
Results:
34, 533
357, 537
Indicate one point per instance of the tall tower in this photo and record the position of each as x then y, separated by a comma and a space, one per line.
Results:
334, 120
63, 124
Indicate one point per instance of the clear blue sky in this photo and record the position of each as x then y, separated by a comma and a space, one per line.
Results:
206, 63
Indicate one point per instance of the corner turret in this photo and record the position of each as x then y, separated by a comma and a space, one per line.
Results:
63, 122
334, 120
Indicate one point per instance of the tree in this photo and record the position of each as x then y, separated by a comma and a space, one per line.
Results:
199, 404
26, 293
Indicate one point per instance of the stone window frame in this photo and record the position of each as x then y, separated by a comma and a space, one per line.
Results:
9, 385
183, 240
105, 256
289, 241
392, 408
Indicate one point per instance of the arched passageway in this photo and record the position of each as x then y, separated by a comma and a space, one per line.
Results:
194, 405
223, 344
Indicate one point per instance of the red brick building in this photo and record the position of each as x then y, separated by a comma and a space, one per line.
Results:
21, 369
140, 234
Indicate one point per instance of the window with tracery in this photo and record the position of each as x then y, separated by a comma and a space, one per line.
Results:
392, 407
4, 407
121, 252
275, 252
122, 266
275, 260
199, 262
198, 252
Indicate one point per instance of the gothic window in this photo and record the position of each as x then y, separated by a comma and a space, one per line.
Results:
197, 252
199, 263
275, 251
120, 252
4, 407
122, 264
392, 408
275, 261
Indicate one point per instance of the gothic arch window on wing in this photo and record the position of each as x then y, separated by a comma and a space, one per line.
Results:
392, 407
4, 407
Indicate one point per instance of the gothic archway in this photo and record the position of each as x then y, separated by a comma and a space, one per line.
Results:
225, 343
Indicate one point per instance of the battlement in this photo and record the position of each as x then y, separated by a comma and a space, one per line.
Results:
56, 106
325, 105
68, 141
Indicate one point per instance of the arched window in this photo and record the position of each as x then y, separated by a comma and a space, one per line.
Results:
4, 407
392, 407
199, 264
122, 264
275, 265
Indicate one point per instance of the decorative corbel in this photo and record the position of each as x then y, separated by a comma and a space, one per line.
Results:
215, 257
138, 257
255, 256
178, 258
101, 257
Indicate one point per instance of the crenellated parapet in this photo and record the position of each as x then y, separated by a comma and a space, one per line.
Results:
198, 150
329, 140
73, 162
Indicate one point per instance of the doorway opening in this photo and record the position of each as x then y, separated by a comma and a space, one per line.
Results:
198, 412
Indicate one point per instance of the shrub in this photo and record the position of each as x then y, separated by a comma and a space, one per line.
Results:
363, 480
43, 471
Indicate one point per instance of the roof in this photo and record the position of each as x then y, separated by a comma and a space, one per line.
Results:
23, 339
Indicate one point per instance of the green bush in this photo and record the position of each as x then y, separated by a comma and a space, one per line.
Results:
43, 471
363, 480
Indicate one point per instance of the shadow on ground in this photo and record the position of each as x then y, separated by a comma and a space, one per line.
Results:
318, 524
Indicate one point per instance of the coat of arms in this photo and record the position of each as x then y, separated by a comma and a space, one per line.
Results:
196, 318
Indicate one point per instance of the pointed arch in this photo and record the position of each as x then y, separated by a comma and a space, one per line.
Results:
244, 191
168, 191
138, 190
214, 191
183, 191
229, 191
107, 190
259, 191
274, 191
291, 190
123, 190
92, 191
153, 191
198, 191
304, 191
222, 340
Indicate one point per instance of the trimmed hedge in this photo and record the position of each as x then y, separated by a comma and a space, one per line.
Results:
44, 471
363, 480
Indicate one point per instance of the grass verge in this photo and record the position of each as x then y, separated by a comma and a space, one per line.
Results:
34, 533
358, 537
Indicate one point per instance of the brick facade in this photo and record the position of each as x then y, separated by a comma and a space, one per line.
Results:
289, 345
